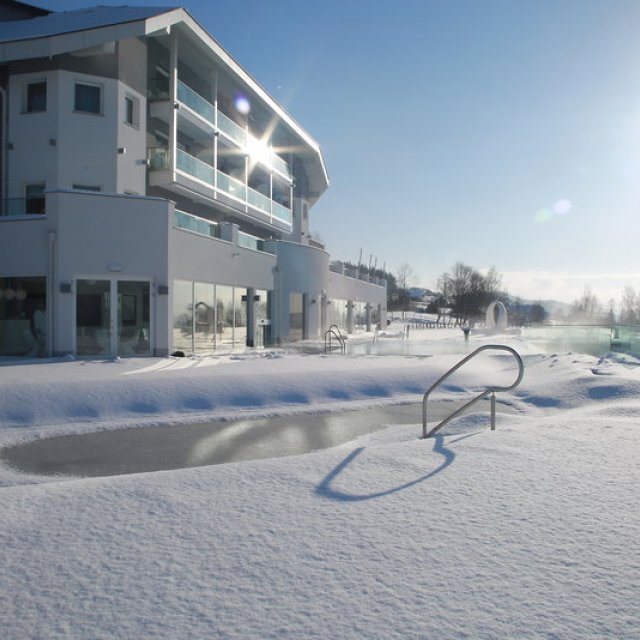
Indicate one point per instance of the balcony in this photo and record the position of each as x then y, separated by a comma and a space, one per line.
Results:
201, 226
213, 119
195, 102
232, 130
194, 167
209, 182
281, 212
250, 242
231, 186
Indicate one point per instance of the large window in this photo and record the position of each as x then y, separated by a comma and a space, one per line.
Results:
208, 317
23, 317
88, 98
36, 97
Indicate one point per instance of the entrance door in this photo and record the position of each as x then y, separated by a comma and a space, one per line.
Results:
133, 318
105, 328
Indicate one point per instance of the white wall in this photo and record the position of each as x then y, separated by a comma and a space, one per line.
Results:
105, 237
301, 269
62, 147
196, 257
23, 247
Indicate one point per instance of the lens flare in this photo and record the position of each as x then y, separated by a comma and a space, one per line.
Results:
562, 207
544, 215
242, 104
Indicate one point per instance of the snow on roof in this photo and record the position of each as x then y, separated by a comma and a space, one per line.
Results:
79, 20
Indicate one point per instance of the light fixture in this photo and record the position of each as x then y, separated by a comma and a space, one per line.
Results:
9, 294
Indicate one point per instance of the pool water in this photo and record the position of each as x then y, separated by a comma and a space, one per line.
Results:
592, 340
145, 449
596, 341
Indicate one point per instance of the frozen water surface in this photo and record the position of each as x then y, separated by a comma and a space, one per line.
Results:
122, 451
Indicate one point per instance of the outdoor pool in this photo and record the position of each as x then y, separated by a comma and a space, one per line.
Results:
144, 449
592, 340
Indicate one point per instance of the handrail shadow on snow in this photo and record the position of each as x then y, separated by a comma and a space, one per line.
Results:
325, 490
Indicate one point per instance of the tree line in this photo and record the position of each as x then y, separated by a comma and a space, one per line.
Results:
588, 309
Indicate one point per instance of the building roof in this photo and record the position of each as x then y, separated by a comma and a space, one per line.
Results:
78, 20
14, 10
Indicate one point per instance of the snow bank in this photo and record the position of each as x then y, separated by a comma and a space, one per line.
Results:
530, 531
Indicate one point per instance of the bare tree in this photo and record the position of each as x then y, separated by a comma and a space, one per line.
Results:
629, 306
467, 291
587, 307
404, 276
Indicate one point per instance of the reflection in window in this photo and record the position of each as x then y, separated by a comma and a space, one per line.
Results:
23, 316
204, 316
224, 318
183, 316
240, 317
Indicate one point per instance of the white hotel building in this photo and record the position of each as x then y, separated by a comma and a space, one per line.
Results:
154, 197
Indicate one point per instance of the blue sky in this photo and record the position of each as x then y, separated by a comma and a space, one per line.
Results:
500, 133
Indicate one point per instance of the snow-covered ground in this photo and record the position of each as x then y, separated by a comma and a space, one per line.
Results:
529, 531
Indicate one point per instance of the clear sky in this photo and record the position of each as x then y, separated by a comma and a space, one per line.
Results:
501, 133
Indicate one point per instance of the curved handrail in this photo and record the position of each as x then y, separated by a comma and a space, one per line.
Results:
334, 330
484, 394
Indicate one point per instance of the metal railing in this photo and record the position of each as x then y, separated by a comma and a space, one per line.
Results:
334, 332
484, 394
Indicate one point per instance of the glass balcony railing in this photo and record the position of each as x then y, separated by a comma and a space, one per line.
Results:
232, 186
158, 89
194, 167
15, 207
189, 222
250, 242
196, 102
233, 130
281, 212
280, 165
258, 200
158, 158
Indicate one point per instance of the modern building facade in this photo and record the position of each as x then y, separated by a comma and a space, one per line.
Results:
154, 197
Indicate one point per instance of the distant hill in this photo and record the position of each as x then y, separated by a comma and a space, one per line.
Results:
420, 293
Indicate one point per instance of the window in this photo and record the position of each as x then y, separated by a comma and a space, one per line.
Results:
128, 110
36, 97
88, 98
86, 187
34, 198
131, 111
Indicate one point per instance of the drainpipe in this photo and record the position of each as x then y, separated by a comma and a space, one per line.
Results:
50, 293
5, 144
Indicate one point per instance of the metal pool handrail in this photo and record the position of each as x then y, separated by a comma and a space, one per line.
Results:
334, 331
484, 394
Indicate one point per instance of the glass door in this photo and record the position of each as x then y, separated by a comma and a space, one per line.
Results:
133, 318
93, 317
112, 318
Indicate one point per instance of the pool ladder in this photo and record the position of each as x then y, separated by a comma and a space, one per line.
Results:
334, 332
484, 394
